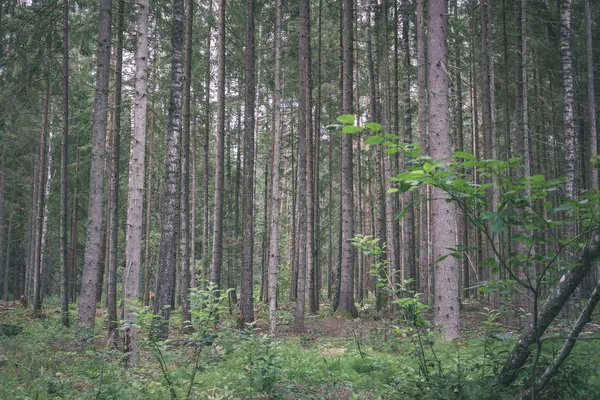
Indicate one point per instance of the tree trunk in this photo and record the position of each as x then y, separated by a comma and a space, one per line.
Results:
443, 217
113, 218
424, 261
2, 208
133, 234
87, 302
217, 251
552, 306
274, 228
185, 243
564, 40
346, 307
303, 129
64, 156
591, 95
169, 209
39, 209
148, 216
247, 276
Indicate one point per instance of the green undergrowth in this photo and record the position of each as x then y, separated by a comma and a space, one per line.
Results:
44, 361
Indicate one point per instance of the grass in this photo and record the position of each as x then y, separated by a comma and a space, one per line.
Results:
44, 362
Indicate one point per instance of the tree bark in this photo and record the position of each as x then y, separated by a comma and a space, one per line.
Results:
185, 244
424, 261
133, 234
275, 191
2, 208
443, 217
591, 95
87, 302
169, 204
217, 251
564, 40
247, 276
113, 217
64, 156
346, 307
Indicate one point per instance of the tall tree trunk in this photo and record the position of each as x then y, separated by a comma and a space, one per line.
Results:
148, 166
39, 208
564, 40
217, 251
591, 95
346, 307
408, 223
113, 218
275, 193
2, 208
423, 281
7, 261
247, 276
169, 209
64, 156
446, 307
303, 129
87, 302
206, 151
305, 57
185, 243
133, 234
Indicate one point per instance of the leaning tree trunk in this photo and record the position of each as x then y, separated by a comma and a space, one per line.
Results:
169, 209
552, 306
87, 303
133, 234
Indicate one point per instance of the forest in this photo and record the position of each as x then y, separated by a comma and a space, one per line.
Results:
374, 199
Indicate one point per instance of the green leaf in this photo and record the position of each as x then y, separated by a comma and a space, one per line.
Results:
351, 129
346, 119
372, 140
497, 226
428, 167
466, 156
373, 126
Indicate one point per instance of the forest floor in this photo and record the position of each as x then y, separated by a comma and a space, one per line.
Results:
375, 356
